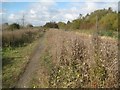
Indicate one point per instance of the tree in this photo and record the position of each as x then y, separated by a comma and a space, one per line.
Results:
68, 22
80, 16
51, 25
61, 25
110, 9
76, 24
5, 24
109, 21
29, 25
14, 26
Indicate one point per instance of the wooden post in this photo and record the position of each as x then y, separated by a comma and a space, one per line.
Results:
96, 24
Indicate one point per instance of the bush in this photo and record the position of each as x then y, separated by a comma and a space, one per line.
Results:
29, 25
106, 33
51, 25
14, 26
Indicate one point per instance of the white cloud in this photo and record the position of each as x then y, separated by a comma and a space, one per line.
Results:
96, 0
12, 16
114, 5
89, 7
32, 11
69, 16
60, 0
42, 12
1, 12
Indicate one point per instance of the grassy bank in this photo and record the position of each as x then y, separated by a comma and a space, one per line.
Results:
14, 61
16, 53
107, 33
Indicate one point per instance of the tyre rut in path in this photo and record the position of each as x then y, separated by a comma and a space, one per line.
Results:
33, 64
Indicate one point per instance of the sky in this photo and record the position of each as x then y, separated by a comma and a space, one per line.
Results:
38, 12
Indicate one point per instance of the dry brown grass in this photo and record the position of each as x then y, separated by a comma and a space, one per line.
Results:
18, 37
81, 61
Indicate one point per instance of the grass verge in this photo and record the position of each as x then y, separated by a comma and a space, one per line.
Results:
14, 62
41, 76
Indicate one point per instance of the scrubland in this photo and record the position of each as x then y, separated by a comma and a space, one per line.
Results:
69, 59
74, 60
19, 37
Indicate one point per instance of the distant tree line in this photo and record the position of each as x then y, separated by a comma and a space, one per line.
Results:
14, 26
107, 20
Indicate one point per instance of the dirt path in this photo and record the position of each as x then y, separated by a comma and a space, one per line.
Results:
31, 67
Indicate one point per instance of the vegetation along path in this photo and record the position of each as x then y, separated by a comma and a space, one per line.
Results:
25, 78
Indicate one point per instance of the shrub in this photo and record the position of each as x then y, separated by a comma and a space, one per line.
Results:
51, 25
14, 26
29, 25
109, 33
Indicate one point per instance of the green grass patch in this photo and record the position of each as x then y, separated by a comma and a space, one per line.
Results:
14, 61
108, 33
41, 77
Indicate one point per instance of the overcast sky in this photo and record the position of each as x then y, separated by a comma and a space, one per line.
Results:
41, 11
